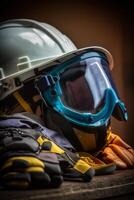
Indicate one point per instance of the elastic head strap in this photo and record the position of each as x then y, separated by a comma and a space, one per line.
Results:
22, 102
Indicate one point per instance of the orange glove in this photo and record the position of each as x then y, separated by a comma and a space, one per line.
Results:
118, 151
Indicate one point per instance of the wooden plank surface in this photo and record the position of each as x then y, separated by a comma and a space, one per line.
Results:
119, 185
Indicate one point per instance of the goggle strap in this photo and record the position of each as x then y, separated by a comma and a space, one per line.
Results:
44, 82
22, 102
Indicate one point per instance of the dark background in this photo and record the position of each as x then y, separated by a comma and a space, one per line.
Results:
91, 22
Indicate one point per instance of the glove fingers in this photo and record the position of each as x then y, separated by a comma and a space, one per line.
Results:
105, 169
51, 162
72, 174
88, 158
87, 172
27, 178
49, 176
54, 171
31, 161
52, 167
131, 151
15, 180
80, 170
123, 154
40, 179
25, 164
24, 180
56, 180
119, 164
130, 155
109, 156
99, 166
119, 141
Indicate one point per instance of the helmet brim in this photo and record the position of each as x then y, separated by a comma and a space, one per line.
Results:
49, 62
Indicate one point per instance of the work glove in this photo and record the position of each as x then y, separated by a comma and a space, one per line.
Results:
23, 164
117, 151
99, 166
29, 159
72, 166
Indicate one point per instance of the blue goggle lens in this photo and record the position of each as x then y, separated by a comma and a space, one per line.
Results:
83, 85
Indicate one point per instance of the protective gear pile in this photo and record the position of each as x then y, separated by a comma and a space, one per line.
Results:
30, 159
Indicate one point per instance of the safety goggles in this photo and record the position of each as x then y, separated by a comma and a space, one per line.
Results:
82, 90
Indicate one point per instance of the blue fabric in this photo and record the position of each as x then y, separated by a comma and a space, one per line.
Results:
22, 121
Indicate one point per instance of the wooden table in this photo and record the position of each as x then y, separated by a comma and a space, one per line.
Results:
119, 185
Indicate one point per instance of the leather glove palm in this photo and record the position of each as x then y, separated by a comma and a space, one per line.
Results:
118, 151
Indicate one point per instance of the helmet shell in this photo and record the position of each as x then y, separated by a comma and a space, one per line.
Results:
27, 43
28, 46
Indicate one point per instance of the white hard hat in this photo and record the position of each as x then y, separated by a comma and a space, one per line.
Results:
27, 45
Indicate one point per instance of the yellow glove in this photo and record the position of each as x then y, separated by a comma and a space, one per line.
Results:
118, 151
99, 166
